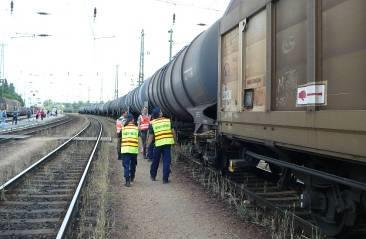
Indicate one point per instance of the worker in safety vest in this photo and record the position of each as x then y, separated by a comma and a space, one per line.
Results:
150, 147
143, 123
120, 122
129, 149
162, 131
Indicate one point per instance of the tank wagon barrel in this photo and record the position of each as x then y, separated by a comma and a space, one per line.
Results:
188, 83
183, 88
142, 95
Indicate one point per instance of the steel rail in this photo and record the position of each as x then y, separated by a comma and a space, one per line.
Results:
34, 126
9, 119
21, 174
68, 216
47, 126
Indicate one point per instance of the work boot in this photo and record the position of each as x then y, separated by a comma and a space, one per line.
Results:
165, 181
132, 178
128, 182
153, 178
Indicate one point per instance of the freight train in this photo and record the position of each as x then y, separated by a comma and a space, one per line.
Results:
279, 81
10, 105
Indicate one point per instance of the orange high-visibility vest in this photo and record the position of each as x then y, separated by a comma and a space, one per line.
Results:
118, 125
144, 122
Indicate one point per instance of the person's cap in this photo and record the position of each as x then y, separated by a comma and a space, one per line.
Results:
129, 117
155, 113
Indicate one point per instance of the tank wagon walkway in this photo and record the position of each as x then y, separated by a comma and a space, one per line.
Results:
180, 209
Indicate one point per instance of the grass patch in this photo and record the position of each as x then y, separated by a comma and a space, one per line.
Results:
92, 221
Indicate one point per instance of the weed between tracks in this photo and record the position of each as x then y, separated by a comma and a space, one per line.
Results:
280, 225
92, 219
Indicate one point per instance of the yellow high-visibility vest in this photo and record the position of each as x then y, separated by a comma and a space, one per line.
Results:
162, 131
130, 140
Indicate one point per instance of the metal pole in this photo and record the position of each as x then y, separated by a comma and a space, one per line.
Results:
116, 84
142, 55
88, 94
170, 43
101, 89
2, 61
171, 38
2, 74
1, 85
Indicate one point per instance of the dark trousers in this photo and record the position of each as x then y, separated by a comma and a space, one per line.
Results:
129, 162
158, 152
143, 135
150, 153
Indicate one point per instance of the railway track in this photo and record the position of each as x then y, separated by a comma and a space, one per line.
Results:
257, 188
22, 132
40, 201
10, 119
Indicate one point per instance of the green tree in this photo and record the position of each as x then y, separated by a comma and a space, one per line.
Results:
8, 91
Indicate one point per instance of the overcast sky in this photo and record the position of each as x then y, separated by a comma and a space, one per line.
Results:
81, 55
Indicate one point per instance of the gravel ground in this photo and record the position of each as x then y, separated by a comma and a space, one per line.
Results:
180, 209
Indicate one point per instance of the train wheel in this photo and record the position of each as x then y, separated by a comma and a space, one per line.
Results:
223, 163
276, 170
363, 201
332, 209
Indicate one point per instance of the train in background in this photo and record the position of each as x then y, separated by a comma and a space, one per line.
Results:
279, 81
10, 105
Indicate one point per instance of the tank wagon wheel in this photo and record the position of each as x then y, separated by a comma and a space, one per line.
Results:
222, 163
276, 170
333, 210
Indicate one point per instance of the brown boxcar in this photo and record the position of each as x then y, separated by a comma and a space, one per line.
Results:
9, 105
292, 84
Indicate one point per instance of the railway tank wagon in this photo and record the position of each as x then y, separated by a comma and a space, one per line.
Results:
292, 92
142, 96
185, 88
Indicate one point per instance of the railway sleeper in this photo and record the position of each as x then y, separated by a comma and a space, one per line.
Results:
275, 193
33, 224
40, 233
36, 197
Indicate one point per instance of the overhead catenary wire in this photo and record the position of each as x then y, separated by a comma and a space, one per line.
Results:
188, 5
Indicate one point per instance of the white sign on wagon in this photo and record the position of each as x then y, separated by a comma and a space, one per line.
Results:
310, 94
